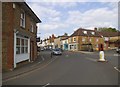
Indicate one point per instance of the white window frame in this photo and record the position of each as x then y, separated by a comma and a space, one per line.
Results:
96, 45
22, 19
32, 27
83, 39
74, 39
93, 33
97, 40
23, 46
85, 32
90, 39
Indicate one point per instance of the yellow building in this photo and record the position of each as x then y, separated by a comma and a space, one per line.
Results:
83, 39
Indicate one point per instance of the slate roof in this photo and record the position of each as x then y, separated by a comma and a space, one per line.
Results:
109, 34
80, 32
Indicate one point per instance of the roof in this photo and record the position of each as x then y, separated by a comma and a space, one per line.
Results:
65, 38
109, 34
29, 11
80, 32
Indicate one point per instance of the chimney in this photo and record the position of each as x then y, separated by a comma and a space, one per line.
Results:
53, 36
49, 37
95, 29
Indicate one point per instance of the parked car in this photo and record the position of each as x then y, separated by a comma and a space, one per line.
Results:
42, 49
56, 51
118, 50
60, 49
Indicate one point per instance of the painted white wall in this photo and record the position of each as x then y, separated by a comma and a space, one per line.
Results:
22, 57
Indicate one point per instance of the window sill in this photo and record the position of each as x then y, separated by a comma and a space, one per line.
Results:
22, 27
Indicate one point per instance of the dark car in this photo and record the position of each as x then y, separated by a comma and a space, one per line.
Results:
56, 51
118, 50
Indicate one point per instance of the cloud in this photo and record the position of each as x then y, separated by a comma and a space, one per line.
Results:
43, 11
58, 21
95, 17
72, 0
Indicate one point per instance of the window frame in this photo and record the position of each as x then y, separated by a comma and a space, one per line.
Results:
24, 45
32, 28
83, 39
22, 19
74, 39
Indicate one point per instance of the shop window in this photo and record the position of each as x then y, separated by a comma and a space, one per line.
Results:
21, 46
18, 46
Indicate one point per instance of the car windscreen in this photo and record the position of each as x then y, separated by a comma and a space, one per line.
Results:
56, 50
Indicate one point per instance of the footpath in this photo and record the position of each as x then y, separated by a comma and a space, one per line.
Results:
31, 66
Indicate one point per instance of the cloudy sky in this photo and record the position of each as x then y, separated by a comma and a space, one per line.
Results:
65, 17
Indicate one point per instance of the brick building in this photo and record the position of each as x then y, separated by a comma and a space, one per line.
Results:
111, 39
84, 39
18, 34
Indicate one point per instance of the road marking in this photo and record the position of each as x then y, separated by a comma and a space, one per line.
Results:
92, 59
66, 55
86, 52
116, 55
116, 69
46, 84
56, 56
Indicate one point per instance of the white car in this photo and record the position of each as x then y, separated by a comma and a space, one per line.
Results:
118, 50
56, 51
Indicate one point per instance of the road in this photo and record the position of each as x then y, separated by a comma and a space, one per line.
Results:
72, 68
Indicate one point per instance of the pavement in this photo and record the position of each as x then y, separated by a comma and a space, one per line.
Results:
31, 66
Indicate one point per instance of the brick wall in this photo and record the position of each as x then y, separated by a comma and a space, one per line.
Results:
11, 21
7, 35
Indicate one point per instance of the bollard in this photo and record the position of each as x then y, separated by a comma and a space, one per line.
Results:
101, 54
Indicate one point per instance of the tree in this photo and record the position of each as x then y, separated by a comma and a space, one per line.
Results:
65, 34
107, 29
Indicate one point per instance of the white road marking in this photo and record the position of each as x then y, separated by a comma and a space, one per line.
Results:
92, 59
116, 69
116, 55
56, 56
66, 55
46, 84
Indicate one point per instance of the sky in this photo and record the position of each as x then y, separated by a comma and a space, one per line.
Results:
66, 17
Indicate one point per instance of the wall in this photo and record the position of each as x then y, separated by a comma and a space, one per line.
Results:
11, 21
7, 36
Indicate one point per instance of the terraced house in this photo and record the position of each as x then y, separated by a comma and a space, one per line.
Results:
111, 39
84, 39
19, 33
